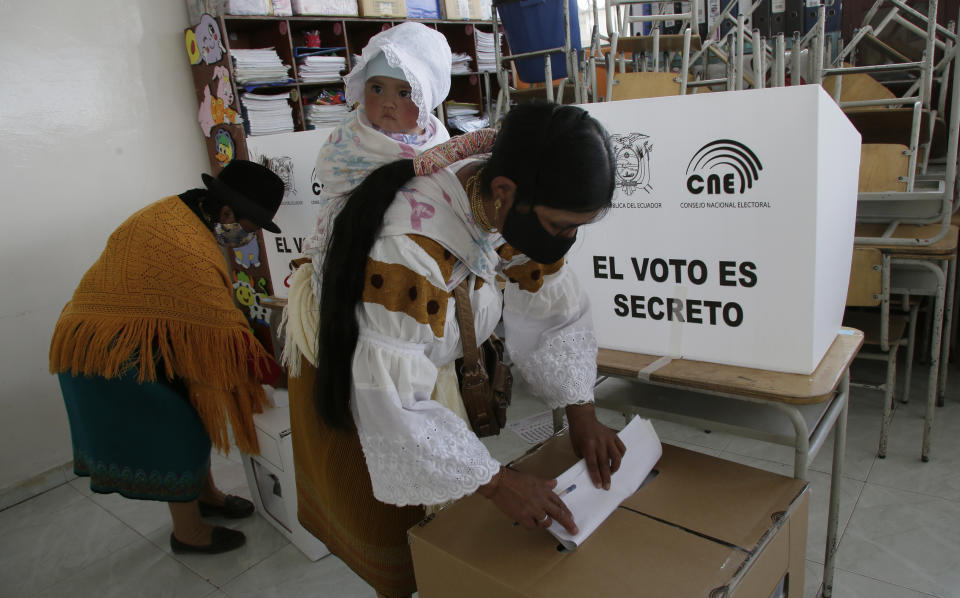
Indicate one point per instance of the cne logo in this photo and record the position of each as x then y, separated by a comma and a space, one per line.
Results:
722, 167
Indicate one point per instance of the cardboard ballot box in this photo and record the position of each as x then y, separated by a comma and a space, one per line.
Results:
701, 527
731, 231
270, 476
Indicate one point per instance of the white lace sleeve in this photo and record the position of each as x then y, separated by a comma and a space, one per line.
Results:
549, 334
417, 451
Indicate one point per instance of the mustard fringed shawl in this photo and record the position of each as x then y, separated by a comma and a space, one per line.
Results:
160, 296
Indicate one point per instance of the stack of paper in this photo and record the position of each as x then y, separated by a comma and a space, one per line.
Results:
259, 66
327, 108
486, 59
461, 109
460, 63
468, 123
465, 117
320, 115
267, 114
321, 69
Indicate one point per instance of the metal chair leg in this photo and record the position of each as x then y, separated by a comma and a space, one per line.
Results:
911, 344
949, 266
888, 389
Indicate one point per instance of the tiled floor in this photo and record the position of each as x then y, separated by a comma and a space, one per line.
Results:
900, 521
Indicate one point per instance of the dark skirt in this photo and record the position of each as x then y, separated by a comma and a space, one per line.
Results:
144, 441
335, 499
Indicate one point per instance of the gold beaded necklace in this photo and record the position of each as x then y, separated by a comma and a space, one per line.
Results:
476, 204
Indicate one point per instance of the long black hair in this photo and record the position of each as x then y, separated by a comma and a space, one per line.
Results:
558, 156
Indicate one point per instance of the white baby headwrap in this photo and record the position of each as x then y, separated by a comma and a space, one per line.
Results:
423, 55
379, 67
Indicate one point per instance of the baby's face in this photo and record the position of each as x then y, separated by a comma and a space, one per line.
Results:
388, 104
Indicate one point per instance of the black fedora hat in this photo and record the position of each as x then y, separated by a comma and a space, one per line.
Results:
252, 190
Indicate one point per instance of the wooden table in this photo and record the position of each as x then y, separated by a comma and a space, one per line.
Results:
791, 409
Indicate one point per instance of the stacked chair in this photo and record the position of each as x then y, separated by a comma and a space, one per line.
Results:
646, 49
897, 97
568, 50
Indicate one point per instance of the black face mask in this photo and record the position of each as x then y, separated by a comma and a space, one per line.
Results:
525, 234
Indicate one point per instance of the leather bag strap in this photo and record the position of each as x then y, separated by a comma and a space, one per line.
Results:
468, 337
474, 383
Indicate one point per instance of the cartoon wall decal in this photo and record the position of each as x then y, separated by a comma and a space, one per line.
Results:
209, 40
633, 161
248, 256
193, 50
224, 89
213, 111
248, 297
225, 146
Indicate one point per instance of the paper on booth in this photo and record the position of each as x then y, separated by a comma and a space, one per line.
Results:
590, 505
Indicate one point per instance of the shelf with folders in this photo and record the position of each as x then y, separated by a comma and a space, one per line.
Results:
307, 57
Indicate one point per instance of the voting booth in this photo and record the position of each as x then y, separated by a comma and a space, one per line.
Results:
293, 156
723, 243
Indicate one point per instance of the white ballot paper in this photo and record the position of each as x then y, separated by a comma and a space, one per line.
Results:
590, 505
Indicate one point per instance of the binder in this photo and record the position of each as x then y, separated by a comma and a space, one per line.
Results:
703, 21
778, 17
734, 13
810, 14
636, 10
670, 27
762, 17
832, 18
794, 17
711, 11
834, 15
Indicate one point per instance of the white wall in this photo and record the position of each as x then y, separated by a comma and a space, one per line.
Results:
97, 119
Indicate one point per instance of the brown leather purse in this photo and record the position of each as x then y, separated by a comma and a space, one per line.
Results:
485, 380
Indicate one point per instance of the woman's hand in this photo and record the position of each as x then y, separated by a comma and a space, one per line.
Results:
599, 446
528, 500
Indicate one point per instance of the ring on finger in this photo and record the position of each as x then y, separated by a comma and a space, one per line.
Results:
545, 517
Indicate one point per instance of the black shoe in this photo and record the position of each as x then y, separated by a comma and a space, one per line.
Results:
234, 507
221, 540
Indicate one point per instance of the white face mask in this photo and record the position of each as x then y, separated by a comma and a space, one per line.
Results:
232, 234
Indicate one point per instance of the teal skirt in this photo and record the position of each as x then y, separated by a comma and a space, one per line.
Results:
144, 441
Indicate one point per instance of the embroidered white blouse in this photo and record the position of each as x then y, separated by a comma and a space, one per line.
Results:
417, 450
